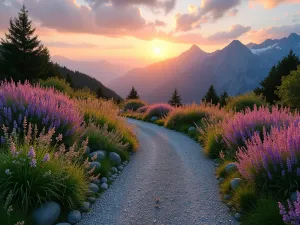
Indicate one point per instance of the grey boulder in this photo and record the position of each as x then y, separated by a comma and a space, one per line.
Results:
47, 214
97, 165
192, 129
115, 158
85, 206
235, 183
230, 167
103, 180
91, 200
93, 187
74, 217
100, 155
154, 118
104, 186
114, 170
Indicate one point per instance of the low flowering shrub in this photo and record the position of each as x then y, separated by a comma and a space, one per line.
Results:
133, 104
158, 110
291, 215
25, 103
187, 116
239, 128
245, 101
272, 160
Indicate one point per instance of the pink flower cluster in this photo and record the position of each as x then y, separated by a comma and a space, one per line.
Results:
159, 110
293, 214
44, 107
275, 154
242, 125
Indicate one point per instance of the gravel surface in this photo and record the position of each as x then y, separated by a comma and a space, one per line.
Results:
169, 181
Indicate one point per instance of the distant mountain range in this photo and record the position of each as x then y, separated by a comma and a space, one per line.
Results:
101, 70
236, 69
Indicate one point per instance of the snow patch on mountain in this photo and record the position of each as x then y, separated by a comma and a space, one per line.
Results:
263, 50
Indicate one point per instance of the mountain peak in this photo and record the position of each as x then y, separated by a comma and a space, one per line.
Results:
236, 43
293, 36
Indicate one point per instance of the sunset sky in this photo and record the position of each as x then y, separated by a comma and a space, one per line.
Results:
138, 32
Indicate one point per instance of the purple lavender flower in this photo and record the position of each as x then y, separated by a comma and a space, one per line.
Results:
283, 173
33, 162
46, 157
292, 214
31, 153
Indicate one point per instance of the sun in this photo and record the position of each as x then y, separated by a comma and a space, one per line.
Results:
157, 51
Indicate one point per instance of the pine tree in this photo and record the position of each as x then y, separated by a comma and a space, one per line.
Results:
273, 80
133, 94
176, 99
211, 96
100, 93
223, 99
69, 80
23, 57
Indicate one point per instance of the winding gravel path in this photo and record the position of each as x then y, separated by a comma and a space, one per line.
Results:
169, 167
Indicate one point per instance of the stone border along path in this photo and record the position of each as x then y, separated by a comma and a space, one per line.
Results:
169, 181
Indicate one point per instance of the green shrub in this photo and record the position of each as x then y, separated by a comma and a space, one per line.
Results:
58, 84
242, 102
245, 197
36, 175
212, 140
265, 212
133, 104
100, 138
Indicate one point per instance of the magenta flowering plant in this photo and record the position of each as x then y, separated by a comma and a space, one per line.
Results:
159, 110
291, 215
242, 126
46, 108
272, 160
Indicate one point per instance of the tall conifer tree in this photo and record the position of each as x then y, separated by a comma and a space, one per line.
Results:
23, 56
211, 96
176, 99
133, 94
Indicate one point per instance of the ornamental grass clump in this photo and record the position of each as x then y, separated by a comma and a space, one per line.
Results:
158, 110
187, 116
239, 128
133, 104
272, 160
291, 215
45, 108
105, 113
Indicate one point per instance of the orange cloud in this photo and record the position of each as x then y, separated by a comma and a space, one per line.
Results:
273, 3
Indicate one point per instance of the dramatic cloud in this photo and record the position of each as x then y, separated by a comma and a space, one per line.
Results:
210, 10
273, 3
166, 5
67, 16
218, 38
